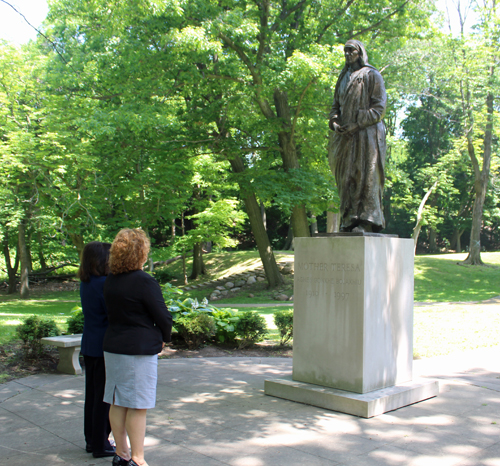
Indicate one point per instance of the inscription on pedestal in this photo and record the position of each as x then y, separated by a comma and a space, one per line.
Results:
353, 307
336, 280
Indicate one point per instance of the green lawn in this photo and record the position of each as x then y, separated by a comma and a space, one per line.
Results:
439, 278
56, 305
439, 329
446, 328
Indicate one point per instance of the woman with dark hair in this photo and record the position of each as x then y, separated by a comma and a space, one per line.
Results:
139, 325
92, 273
359, 145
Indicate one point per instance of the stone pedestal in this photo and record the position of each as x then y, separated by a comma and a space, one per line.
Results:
353, 324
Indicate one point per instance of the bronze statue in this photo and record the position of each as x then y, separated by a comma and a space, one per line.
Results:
359, 142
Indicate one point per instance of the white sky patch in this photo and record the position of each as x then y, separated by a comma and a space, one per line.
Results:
13, 27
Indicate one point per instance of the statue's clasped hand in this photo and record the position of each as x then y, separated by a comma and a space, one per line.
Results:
346, 130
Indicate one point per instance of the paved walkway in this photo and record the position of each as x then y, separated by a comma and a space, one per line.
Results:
212, 412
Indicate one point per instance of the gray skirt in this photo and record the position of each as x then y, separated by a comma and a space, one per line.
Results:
131, 380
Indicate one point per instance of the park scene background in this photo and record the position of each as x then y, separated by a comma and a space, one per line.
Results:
205, 124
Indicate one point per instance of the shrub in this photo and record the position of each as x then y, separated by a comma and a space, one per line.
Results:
192, 321
250, 328
195, 328
225, 322
284, 321
162, 274
75, 322
31, 332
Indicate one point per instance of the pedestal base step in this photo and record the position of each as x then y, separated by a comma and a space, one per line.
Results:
359, 404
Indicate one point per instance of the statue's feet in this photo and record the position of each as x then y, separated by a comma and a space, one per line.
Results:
363, 228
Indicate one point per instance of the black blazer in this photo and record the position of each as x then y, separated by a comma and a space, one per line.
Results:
139, 320
96, 316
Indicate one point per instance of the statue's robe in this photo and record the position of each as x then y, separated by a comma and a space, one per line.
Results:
359, 160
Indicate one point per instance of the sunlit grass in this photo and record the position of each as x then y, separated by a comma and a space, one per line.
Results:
14, 310
440, 278
439, 329
447, 328
224, 264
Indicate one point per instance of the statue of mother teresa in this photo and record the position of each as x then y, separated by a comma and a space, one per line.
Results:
359, 145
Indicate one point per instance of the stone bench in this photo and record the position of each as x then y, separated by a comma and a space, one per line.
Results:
69, 352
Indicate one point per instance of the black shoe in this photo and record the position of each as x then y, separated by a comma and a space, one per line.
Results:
88, 448
132, 463
119, 461
104, 453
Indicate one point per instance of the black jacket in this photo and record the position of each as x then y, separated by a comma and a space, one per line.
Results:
139, 320
96, 316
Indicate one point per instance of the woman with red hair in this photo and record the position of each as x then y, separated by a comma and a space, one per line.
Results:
139, 325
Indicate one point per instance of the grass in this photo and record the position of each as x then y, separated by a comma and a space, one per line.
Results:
439, 329
439, 278
223, 264
55, 305
446, 328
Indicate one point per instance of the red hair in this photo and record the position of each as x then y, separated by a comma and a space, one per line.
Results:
129, 251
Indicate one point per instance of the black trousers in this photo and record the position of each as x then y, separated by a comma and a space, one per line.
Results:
96, 414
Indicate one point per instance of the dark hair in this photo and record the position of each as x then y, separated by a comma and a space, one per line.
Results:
95, 257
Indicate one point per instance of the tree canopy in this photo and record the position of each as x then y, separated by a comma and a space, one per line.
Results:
179, 117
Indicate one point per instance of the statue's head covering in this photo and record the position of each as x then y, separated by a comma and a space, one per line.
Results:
363, 59
363, 56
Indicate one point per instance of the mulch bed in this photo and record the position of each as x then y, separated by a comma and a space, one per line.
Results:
14, 364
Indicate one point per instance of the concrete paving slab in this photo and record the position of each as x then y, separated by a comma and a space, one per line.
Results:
69, 430
58, 455
26, 440
213, 412
174, 454
10, 389
11, 421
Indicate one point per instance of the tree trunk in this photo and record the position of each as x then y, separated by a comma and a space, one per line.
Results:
23, 252
77, 241
41, 257
263, 214
480, 185
332, 219
198, 265
290, 159
184, 272
416, 230
273, 274
314, 225
474, 257
456, 243
11, 271
432, 241
332, 222
289, 240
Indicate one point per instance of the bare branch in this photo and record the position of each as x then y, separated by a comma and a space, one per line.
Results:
353, 34
227, 78
299, 105
286, 13
338, 14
